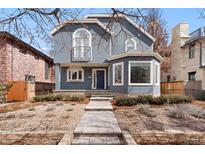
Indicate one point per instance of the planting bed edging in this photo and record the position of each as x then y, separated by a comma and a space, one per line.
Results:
127, 138
169, 137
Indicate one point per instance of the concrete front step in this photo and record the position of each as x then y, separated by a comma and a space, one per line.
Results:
99, 106
98, 98
102, 95
97, 140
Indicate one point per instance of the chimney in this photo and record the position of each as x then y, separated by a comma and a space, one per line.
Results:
180, 33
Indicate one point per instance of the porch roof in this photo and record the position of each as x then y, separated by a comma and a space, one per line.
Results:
135, 53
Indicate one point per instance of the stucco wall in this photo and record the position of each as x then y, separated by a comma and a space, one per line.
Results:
86, 85
102, 43
133, 89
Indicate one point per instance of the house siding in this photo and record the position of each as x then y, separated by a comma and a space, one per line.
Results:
138, 89
102, 43
85, 85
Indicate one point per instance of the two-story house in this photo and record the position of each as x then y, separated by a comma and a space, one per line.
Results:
102, 52
188, 54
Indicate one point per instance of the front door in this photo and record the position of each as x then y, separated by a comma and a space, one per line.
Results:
100, 76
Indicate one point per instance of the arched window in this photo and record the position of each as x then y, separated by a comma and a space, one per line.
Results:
81, 44
130, 44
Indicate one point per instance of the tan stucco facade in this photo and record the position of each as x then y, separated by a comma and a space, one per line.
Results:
181, 64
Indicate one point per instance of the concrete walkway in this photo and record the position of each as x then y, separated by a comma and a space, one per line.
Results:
98, 125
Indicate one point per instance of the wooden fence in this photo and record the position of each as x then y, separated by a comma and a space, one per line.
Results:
22, 90
189, 88
176, 87
18, 91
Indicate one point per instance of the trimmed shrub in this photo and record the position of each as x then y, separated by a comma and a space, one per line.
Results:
48, 97
201, 96
57, 97
147, 99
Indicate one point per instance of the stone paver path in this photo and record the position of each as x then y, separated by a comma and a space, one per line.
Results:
98, 125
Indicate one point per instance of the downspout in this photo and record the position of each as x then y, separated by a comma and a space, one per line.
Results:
200, 42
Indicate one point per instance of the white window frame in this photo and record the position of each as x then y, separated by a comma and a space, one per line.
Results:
75, 70
74, 40
157, 73
151, 73
133, 40
122, 74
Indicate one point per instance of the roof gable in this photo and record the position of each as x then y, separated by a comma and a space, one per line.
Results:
123, 16
82, 21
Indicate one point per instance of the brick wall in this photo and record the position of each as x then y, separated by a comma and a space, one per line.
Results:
17, 64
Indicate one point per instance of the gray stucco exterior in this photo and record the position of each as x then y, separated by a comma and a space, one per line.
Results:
104, 45
132, 89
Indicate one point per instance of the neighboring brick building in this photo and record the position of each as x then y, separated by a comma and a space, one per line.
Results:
188, 54
20, 61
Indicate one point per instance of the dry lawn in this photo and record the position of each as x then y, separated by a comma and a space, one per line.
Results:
40, 123
183, 117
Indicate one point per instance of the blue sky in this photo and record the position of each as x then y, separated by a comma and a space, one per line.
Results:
172, 17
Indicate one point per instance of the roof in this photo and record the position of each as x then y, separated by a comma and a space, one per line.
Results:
135, 53
7, 35
123, 16
195, 35
81, 21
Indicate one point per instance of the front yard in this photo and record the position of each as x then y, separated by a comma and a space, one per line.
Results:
39, 122
148, 124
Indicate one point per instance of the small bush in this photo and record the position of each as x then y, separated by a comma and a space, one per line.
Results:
147, 99
48, 97
201, 96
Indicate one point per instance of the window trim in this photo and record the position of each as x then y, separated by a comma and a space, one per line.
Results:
157, 73
75, 69
122, 74
90, 40
151, 73
135, 43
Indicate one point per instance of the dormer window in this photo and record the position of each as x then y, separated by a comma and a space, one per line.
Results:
81, 45
130, 44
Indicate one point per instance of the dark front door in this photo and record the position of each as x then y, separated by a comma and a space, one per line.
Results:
100, 79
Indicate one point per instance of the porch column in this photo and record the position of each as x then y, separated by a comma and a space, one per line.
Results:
57, 77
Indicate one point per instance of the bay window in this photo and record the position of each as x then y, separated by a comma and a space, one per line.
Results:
140, 73
118, 69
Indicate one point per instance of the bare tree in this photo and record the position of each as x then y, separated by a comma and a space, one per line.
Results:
32, 23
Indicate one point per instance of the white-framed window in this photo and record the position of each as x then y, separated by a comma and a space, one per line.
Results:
157, 73
75, 75
82, 44
118, 76
130, 44
140, 73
